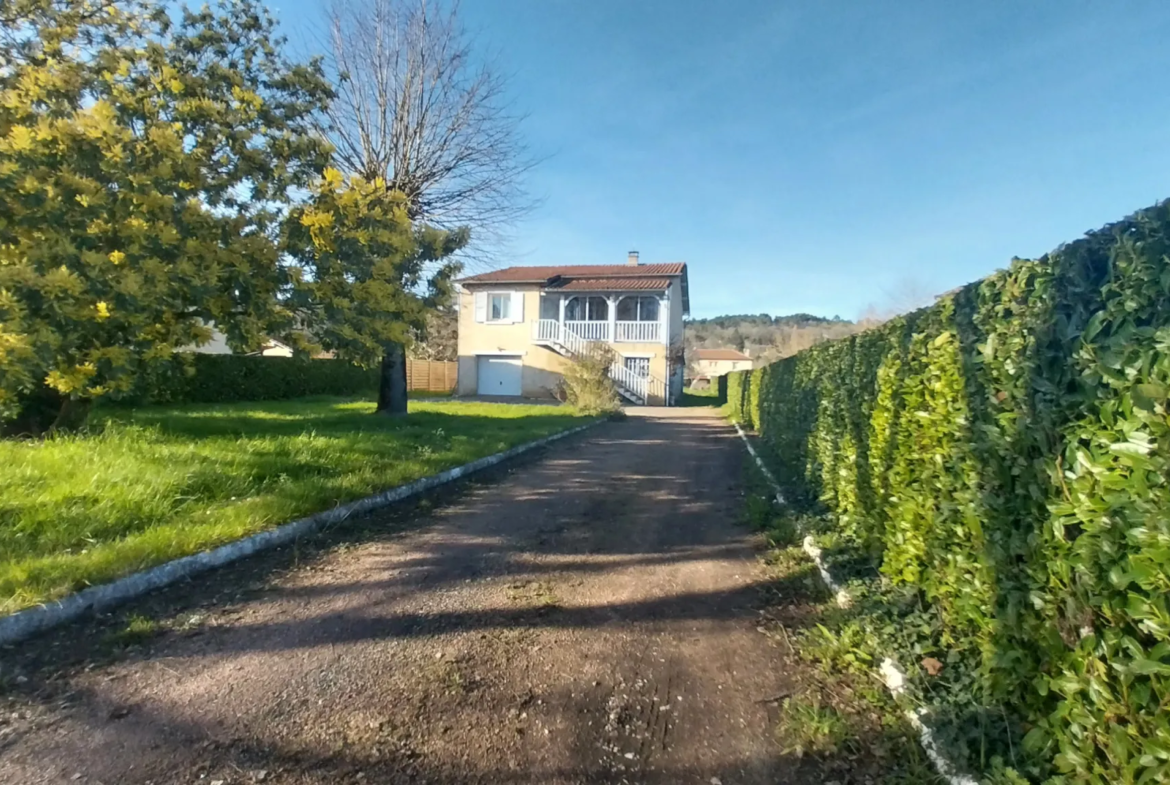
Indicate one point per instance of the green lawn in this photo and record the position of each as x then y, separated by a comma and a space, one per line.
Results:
157, 483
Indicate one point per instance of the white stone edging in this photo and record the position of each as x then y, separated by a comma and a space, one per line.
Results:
892, 675
814, 553
22, 624
759, 462
810, 547
895, 680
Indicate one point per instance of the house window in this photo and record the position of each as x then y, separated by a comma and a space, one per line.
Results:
637, 309
550, 308
639, 366
499, 307
587, 309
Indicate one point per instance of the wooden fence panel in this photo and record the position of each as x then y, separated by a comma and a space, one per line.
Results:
431, 376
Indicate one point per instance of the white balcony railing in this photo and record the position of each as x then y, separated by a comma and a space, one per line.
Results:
638, 332
624, 332
589, 331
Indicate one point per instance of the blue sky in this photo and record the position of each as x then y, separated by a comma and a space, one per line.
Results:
827, 156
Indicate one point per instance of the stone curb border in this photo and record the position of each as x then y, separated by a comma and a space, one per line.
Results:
23, 624
892, 675
809, 545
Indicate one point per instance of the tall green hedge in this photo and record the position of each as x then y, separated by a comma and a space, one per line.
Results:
752, 398
1006, 453
738, 383
223, 378
721, 389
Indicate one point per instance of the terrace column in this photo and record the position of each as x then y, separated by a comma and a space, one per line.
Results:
612, 300
562, 310
664, 318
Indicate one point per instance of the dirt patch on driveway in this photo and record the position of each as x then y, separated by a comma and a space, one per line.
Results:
592, 617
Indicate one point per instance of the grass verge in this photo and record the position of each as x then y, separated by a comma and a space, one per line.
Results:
848, 710
149, 485
838, 719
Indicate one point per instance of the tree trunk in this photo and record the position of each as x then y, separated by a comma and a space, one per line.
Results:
43, 411
392, 381
73, 415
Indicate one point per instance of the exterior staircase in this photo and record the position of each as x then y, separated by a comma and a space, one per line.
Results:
633, 387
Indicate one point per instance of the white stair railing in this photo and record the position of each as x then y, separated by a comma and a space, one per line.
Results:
555, 332
635, 383
546, 330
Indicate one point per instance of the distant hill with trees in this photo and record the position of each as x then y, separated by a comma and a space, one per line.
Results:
763, 337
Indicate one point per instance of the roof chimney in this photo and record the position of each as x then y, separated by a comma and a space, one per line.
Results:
633, 260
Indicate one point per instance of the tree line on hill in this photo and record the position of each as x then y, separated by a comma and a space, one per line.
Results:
763, 337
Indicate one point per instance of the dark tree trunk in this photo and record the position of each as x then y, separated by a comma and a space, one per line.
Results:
392, 381
43, 411
73, 415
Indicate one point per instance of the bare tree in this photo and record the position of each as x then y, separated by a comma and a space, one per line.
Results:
415, 107
909, 294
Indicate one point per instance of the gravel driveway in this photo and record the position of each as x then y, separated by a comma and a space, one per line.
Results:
588, 618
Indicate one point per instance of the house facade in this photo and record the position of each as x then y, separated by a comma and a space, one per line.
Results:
709, 363
520, 327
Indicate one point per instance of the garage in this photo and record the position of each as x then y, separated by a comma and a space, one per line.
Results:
498, 375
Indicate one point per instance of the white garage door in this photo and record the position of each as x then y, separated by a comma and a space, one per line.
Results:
498, 376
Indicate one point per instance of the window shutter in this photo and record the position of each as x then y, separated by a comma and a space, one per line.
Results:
517, 307
481, 307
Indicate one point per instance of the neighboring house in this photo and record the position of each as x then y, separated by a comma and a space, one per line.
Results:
218, 345
519, 327
709, 363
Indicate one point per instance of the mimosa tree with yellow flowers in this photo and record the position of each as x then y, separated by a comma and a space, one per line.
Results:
147, 168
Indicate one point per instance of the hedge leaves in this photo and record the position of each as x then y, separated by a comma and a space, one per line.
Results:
1005, 454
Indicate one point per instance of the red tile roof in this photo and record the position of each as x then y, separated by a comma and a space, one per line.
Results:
593, 278
611, 284
544, 274
720, 354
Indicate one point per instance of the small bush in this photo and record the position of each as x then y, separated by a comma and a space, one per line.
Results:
587, 385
